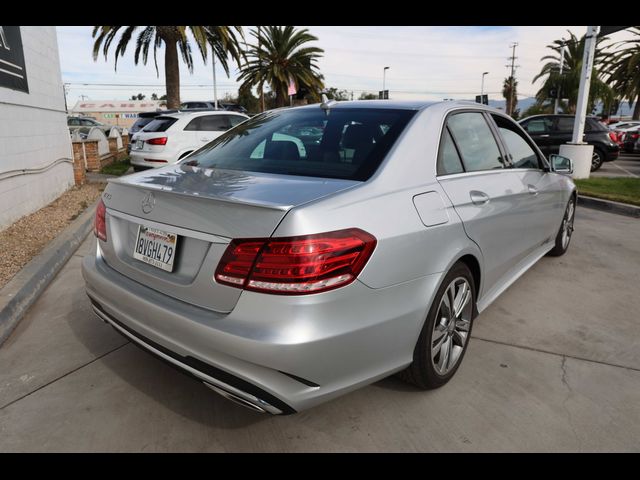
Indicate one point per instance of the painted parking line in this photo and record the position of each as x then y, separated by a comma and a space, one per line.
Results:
624, 170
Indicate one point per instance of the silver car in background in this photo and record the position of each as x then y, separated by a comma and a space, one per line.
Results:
310, 251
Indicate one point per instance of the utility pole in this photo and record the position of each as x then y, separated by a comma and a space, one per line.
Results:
215, 89
512, 77
557, 104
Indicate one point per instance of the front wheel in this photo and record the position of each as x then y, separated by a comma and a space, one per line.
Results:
566, 229
445, 335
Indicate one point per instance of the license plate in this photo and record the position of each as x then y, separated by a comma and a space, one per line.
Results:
139, 144
155, 247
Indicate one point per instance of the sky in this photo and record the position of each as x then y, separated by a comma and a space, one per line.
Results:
430, 63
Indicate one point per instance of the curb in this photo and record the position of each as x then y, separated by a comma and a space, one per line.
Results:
26, 286
609, 206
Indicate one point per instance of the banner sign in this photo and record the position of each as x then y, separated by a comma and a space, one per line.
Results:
13, 73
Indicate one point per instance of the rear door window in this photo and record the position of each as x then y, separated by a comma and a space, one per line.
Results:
521, 152
209, 123
160, 124
476, 142
538, 125
448, 158
564, 124
236, 119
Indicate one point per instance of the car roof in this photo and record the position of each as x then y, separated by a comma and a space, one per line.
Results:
198, 113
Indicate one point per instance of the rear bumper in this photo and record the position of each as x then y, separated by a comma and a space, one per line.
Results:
611, 153
150, 159
280, 353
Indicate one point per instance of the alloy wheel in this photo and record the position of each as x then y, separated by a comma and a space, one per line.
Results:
567, 224
596, 160
452, 326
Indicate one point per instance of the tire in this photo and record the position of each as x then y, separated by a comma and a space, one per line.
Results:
597, 159
424, 372
562, 241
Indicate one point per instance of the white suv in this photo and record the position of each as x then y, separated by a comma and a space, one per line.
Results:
170, 137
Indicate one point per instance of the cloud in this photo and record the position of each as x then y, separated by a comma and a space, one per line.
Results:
428, 63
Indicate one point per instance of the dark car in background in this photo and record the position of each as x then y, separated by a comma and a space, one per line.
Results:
207, 105
551, 131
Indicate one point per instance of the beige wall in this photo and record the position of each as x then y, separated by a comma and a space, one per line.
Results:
117, 119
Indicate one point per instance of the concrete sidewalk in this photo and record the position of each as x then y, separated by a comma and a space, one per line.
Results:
554, 365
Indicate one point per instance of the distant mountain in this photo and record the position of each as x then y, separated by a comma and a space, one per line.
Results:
523, 103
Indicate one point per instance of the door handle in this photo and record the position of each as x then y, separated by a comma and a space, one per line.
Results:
478, 198
532, 190
544, 136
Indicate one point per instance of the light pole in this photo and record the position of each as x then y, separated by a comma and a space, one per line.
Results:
384, 75
482, 87
556, 106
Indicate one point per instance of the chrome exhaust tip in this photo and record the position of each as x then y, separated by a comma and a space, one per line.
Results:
236, 399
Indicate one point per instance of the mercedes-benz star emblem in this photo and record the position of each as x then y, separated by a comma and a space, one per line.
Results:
148, 202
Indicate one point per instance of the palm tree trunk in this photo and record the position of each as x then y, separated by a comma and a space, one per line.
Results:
636, 109
172, 74
281, 100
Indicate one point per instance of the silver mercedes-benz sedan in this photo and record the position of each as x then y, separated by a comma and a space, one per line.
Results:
310, 251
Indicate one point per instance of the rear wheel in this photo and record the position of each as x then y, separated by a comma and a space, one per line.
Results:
597, 159
445, 335
563, 238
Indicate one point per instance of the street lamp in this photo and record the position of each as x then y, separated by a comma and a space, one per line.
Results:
384, 74
482, 87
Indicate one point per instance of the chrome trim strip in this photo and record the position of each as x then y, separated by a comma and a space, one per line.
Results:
207, 237
258, 404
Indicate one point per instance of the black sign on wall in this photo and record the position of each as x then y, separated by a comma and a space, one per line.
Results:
13, 73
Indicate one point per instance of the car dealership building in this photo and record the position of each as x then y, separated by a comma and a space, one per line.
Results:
116, 112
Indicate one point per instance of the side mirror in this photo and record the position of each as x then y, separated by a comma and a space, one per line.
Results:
560, 164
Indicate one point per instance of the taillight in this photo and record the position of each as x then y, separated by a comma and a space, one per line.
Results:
613, 136
296, 265
634, 136
100, 226
157, 141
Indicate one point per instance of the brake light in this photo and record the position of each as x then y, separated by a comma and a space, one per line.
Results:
100, 225
613, 136
296, 265
157, 141
634, 136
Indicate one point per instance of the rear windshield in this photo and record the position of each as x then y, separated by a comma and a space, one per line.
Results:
141, 122
342, 143
160, 124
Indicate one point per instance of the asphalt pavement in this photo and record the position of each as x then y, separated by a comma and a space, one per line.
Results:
626, 165
553, 365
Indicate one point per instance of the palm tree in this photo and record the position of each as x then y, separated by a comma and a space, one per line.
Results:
510, 94
569, 81
223, 41
279, 58
623, 68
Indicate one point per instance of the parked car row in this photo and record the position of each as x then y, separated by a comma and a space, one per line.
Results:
551, 131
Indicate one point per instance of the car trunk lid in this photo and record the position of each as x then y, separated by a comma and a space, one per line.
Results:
205, 208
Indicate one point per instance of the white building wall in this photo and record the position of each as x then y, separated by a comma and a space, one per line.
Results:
33, 132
